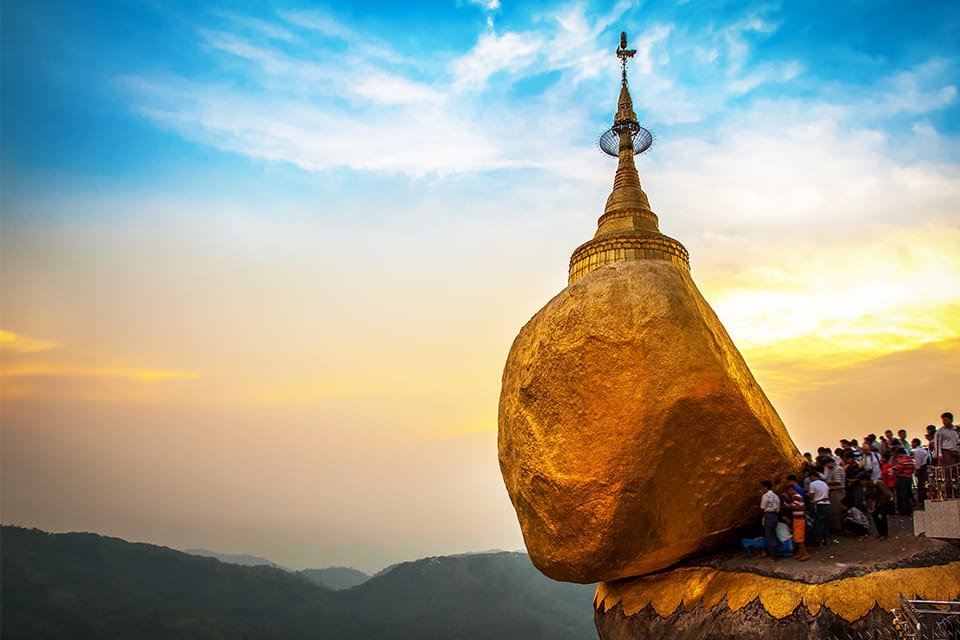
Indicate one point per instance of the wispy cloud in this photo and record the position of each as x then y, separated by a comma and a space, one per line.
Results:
11, 342
27, 368
494, 53
51, 370
922, 89
310, 104
488, 5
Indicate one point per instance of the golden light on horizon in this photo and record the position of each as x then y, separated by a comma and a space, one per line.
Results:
16, 343
832, 309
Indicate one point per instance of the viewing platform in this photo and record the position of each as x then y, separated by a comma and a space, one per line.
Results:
940, 517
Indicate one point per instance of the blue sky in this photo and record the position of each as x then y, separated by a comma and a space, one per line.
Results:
254, 253
97, 90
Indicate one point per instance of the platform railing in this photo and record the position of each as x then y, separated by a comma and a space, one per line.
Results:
943, 483
927, 619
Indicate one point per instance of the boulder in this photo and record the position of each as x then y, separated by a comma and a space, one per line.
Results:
632, 434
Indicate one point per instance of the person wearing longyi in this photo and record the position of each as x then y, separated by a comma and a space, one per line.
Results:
770, 506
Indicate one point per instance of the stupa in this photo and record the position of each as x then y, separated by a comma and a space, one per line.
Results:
633, 436
631, 432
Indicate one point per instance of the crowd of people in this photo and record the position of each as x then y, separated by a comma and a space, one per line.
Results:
856, 485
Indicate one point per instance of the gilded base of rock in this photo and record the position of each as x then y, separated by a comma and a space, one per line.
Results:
711, 604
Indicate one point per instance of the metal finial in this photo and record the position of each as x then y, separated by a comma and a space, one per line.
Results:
624, 54
626, 132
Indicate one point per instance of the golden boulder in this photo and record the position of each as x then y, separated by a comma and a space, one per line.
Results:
632, 433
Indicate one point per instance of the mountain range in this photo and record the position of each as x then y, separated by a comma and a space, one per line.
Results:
233, 558
83, 585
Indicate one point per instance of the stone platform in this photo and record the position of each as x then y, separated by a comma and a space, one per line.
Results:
939, 520
850, 586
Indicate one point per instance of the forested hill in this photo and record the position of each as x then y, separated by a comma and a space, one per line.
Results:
81, 585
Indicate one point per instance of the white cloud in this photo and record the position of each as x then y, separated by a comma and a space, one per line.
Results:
487, 5
313, 105
918, 90
319, 21
763, 75
643, 61
493, 53
384, 88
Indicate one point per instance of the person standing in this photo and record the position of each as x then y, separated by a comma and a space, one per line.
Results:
886, 443
903, 468
855, 448
879, 501
820, 500
904, 442
770, 506
930, 435
871, 461
796, 504
945, 441
921, 458
886, 472
836, 478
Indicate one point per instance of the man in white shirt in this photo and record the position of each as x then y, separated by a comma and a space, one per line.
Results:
871, 462
820, 499
945, 440
770, 506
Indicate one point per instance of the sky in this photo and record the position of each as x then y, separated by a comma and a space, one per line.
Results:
261, 263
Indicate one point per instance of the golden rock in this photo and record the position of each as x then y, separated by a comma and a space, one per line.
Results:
631, 432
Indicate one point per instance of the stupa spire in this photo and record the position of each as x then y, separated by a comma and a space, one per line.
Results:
628, 229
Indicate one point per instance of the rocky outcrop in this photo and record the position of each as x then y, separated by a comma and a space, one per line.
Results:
786, 600
749, 623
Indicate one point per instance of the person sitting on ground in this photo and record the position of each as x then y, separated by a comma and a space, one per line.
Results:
754, 545
855, 521
784, 534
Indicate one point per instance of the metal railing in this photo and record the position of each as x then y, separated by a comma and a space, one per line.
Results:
943, 483
927, 620
914, 620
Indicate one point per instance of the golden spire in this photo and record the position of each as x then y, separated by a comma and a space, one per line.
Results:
628, 229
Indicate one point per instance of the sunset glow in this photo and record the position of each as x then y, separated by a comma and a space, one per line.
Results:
261, 269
